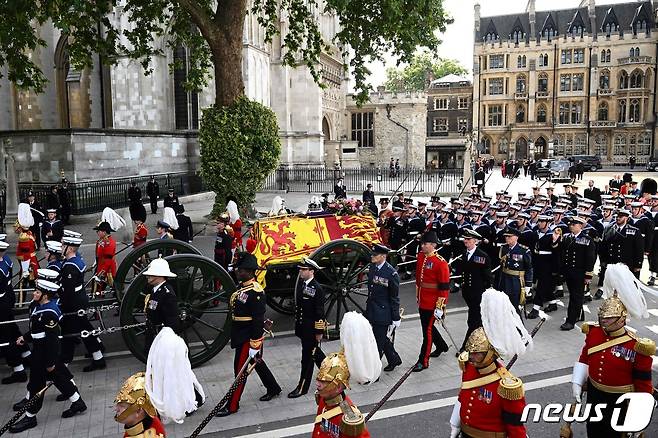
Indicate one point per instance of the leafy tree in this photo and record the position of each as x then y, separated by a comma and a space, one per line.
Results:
415, 76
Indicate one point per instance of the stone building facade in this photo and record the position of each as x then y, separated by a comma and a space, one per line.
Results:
449, 119
567, 82
83, 115
389, 125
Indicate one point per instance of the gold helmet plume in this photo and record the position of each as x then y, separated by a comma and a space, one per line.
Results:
134, 393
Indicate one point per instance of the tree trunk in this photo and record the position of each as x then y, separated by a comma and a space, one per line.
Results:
226, 47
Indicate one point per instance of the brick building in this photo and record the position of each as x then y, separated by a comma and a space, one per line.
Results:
567, 82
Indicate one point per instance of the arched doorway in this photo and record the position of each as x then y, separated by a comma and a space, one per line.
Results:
521, 148
326, 130
541, 151
62, 67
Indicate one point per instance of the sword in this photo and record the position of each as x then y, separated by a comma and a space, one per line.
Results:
452, 340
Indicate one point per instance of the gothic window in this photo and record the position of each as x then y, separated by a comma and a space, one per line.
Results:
565, 82
604, 80
541, 114
541, 61
497, 61
603, 111
186, 103
619, 148
495, 115
491, 37
578, 82
565, 108
520, 84
363, 129
636, 79
643, 143
565, 56
607, 55
518, 36
568, 145
634, 111
603, 55
576, 113
520, 114
601, 145
495, 86
623, 80
542, 83
486, 145
580, 145
578, 56
502, 146
621, 115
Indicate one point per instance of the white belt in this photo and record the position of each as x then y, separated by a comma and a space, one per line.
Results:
78, 289
39, 335
544, 252
500, 244
655, 228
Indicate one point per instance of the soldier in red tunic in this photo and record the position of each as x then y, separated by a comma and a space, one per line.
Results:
106, 265
135, 411
26, 249
491, 399
614, 360
141, 232
432, 290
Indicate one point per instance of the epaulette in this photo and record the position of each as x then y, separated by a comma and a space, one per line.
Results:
24, 237
439, 257
353, 423
462, 360
586, 326
257, 287
510, 386
645, 346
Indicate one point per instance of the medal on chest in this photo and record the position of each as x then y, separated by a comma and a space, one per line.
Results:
623, 353
243, 297
330, 428
153, 304
309, 291
380, 280
429, 265
485, 395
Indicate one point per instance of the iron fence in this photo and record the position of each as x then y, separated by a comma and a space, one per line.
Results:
420, 181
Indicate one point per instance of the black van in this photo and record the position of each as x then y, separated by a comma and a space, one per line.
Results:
591, 162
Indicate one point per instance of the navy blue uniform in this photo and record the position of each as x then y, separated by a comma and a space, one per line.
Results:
8, 332
309, 322
578, 258
55, 228
383, 306
476, 278
545, 267
516, 272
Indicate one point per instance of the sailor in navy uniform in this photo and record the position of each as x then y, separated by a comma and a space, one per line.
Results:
544, 266
309, 323
55, 260
527, 237
46, 365
652, 214
643, 223
623, 243
447, 232
383, 304
516, 268
398, 225
52, 228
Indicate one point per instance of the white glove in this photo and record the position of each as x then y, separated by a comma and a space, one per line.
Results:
438, 313
26, 274
454, 431
577, 391
527, 290
457, 285
253, 352
396, 324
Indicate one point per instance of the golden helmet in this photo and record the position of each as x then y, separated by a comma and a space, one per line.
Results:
478, 342
134, 393
613, 307
334, 370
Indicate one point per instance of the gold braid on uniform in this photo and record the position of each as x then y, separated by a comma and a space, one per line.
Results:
586, 326
462, 360
510, 387
645, 346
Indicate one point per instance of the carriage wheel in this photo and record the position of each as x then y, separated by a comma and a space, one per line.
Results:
203, 289
138, 259
280, 289
344, 279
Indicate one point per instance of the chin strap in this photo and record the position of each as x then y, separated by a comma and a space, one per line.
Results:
129, 411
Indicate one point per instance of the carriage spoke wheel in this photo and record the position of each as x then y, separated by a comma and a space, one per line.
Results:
280, 289
139, 258
343, 277
203, 289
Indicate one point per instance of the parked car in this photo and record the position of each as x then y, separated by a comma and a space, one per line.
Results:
553, 170
652, 164
591, 162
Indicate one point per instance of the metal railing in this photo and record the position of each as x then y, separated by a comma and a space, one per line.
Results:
383, 180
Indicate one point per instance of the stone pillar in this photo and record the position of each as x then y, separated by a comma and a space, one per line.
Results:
12, 186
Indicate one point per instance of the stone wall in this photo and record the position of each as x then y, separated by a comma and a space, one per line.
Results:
97, 154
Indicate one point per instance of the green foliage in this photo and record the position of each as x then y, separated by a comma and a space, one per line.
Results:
368, 30
415, 76
240, 147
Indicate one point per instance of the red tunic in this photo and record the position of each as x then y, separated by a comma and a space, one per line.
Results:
237, 236
141, 232
27, 250
330, 427
625, 364
432, 281
105, 261
483, 408
156, 430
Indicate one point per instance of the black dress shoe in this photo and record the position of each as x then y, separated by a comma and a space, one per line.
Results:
437, 352
566, 326
534, 314
95, 365
418, 367
297, 392
76, 407
551, 308
61, 398
599, 294
20, 405
269, 396
224, 412
15, 377
23, 424
391, 366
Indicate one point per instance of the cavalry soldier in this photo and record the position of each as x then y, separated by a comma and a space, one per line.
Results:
614, 360
26, 250
653, 250
106, 264
383, 304
516, 268
309, 323
223, 242
491, 399
432, 290
133, 409
153, 192
248, 314
9, 332
52, 228
73, 298
544, 266
475, 269
45, 365
578, 255
622, 243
